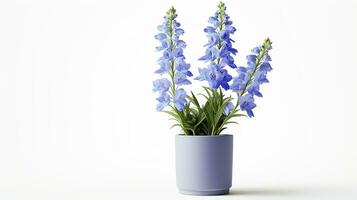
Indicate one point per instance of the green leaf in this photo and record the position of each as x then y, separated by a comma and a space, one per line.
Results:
195, 101
170, 113
173, 126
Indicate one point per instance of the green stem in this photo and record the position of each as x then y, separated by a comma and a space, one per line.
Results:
172, 45
221, 26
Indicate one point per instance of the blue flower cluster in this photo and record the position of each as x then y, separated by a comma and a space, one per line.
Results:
219, 50
251, 77
171, 62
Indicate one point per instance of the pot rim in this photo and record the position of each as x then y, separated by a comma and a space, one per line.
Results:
204, 136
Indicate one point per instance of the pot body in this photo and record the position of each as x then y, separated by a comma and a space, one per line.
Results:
204, 164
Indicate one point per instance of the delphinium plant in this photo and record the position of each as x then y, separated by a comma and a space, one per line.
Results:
219, 109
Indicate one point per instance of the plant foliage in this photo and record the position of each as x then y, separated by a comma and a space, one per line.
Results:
218, 109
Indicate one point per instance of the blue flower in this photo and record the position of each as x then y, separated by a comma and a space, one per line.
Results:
164, 67
265, 67
215, 75
256, 50
181, 65
214, 21
253, 89
172, 63
213, 39
261, 77
179, 31
211, 54
171, 45
209, 29
228, 109
160, 36
252, 58
251, 77
267, 58
161, 85
228, 60
247, 104
240, 81
181, 79
219, 50
181, 44
178, 53
227, 50
164, 100
180, 99
164, 45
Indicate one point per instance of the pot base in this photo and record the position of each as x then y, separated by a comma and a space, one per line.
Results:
204, 193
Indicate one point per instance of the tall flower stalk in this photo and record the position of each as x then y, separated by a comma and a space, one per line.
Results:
175, 71
249, 78
172, 63
219, 50
219, 109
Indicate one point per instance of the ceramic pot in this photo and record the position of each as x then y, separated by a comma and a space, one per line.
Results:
204, 164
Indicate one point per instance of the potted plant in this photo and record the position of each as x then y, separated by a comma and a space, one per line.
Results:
203, 154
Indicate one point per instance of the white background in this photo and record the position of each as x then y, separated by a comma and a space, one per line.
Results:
77, 112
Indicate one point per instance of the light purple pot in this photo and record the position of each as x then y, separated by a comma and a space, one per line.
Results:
204, 164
